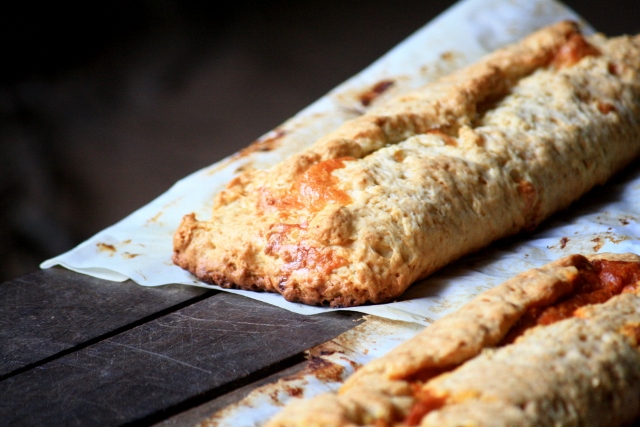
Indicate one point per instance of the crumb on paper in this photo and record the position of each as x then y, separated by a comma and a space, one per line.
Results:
600, 241
598, 244
352, 111
562, 243
373, 93
291, 391
355, 101
627, 219
112, 248
245, 167
129, 255
451, 56
155, 217
325, 370
106, 247
269, 142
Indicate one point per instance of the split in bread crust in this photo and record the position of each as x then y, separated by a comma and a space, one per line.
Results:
425, 178
557, 345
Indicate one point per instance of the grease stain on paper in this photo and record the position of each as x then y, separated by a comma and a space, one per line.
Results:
112, 248
268, 142
106, 247
155, 219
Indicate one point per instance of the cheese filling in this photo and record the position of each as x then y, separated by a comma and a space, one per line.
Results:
596, 283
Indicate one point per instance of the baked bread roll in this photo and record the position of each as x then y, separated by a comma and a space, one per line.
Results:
423, 179
558, 345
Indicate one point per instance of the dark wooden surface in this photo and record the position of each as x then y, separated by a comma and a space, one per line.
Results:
51, 311
83, 351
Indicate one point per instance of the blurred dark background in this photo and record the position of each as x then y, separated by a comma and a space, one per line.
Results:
104, 105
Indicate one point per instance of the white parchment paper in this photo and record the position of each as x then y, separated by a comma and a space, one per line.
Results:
139, 247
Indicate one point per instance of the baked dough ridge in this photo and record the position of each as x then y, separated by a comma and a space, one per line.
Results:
582, 371
425, 178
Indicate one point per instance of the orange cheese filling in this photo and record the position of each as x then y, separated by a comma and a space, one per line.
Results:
427, 402
316, 187
313, 190
595, 283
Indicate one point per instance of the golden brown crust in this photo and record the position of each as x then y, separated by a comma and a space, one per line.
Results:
481, 323
427, 177
559, 374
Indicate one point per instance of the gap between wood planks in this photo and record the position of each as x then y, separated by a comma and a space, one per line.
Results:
110, 334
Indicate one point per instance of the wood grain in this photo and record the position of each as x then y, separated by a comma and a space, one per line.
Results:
167, 365
52, 311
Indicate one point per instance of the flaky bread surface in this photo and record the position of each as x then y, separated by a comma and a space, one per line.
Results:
420, 180
583, 371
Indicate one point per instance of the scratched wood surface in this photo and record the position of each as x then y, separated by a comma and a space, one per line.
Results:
54, 310
205, 411
156, 367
